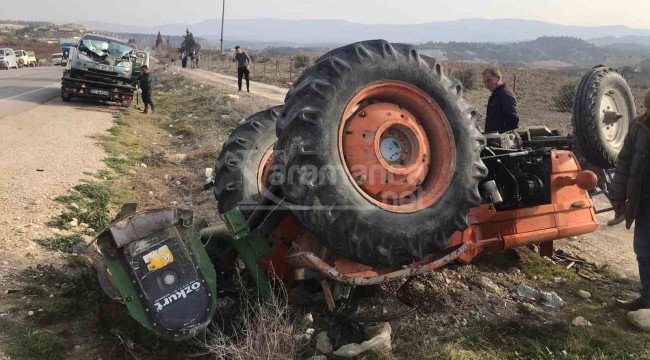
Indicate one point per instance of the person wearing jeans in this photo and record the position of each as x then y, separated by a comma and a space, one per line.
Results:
243, 62
630, 196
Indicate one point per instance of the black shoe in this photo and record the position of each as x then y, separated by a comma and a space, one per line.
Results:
248, 90
632, 305
239, 90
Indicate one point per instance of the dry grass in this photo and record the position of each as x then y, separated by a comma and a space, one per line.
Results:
264, 331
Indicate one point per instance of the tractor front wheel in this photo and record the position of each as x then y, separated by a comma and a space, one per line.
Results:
242, 166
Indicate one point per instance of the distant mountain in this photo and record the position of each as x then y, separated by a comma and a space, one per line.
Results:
612, 40
340, 31
562, 51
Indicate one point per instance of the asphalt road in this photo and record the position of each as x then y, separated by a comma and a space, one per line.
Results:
25, 88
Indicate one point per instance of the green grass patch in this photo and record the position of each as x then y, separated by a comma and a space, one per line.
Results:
31, 344
88, 203
63, 243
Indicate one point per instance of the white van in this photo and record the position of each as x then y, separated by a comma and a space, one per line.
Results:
57, 59
8, 59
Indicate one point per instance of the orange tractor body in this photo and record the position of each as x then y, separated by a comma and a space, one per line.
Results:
298, 256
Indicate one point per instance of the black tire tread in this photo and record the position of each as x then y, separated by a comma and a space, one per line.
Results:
298, 132
586, 117
238, 162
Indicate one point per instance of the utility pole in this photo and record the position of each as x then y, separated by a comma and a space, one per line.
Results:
223, 12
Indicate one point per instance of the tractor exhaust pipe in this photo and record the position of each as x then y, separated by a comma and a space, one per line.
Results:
491, 188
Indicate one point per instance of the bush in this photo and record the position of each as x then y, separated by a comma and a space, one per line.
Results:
301, 60
264, 330
261, 59
467, 78
563, 100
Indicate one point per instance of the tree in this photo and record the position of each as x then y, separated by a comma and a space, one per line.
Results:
132, 43
168, 41
159, 40
189, 44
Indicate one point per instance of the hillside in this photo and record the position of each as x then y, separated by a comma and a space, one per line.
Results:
612, 40
563, 51
339, 31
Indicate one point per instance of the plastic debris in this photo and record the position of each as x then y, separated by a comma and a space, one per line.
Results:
379, 338
546, 298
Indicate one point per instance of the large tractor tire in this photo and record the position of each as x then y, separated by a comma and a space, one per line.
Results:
239, 168
379, 153
602, 90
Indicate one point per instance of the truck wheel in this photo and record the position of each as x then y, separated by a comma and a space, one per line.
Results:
126, 103
240, 168
380, 153
65, 96
601, 90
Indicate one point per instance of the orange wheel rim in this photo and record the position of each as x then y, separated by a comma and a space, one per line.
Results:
264, 170
397, 146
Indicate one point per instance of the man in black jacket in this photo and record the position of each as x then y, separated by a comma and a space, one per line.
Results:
144, 80
501, 114
630, 197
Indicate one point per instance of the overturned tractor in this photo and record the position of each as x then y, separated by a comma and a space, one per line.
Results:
373, 170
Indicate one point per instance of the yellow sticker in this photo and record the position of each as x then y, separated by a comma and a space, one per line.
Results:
158, 258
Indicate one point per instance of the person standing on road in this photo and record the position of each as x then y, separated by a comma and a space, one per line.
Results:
630, 196
501, 115
144, 81
184, 59
243, 62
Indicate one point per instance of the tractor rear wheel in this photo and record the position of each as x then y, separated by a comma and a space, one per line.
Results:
240, 168
600, 91
379, 153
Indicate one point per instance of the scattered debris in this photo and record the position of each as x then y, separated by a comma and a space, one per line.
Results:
580, 321
302, 340
11, 291
30, 313
308, 319
560, 280
73, 223
378, 338
640, 319
323, 343
489, 285
514, 271
584, 294
546, 298
225, 117
132, 172
143, 165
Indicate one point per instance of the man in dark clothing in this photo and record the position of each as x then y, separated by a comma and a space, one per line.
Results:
144, 81
501, 114
184, 59
630, 196
243, 62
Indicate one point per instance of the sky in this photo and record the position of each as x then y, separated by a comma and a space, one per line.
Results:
633, 13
